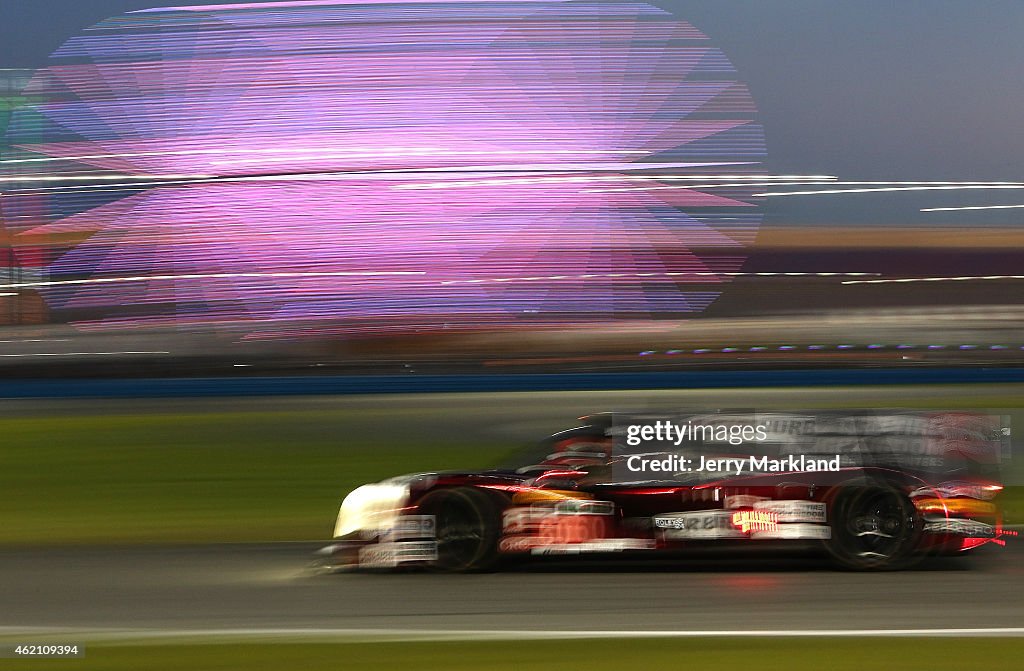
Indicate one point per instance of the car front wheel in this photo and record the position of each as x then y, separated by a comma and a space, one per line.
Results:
468, 526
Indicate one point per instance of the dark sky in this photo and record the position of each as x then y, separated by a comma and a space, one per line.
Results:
865, 90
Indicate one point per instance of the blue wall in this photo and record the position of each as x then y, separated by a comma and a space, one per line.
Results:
383, 384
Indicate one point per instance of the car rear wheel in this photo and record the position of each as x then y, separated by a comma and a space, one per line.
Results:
874, 527
468, 525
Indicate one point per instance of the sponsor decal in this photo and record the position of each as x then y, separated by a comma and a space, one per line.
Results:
755, 520
959, 527
411, 526
564, 529
762, 523
391, 554
521, 543
381, 555
793, 510
567, 526
697, 524
794, 532
577, 507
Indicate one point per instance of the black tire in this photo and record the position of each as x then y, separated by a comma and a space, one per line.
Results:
468, 527
875, 527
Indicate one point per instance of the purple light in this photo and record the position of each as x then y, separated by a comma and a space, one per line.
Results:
295, 3
376, 167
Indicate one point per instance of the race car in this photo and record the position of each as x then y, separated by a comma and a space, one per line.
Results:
900, 487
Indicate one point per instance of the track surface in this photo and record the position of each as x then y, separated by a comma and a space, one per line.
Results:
269, 587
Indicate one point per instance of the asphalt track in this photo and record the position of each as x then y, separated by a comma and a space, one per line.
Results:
269, 587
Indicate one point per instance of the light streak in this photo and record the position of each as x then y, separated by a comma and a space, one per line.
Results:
957, 278
971, 207
809, 180
590, 276
360, 152
507, 178
62, 354
201, 276
277, 4
718, 185
591, 178
932, 186
67, 178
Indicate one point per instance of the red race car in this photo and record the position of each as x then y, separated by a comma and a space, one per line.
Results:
873, 490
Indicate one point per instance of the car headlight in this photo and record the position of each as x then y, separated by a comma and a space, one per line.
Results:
370, 508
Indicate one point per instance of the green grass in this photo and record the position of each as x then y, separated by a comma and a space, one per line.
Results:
707, 654
1012, 503
200, 477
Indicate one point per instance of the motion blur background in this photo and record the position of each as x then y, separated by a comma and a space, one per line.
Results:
253, 256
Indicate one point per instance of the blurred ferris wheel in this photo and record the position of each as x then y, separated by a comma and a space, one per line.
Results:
317, 168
